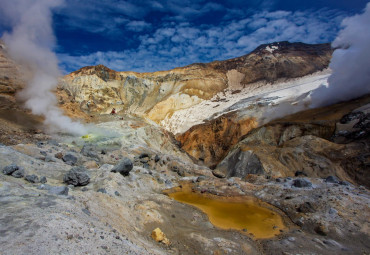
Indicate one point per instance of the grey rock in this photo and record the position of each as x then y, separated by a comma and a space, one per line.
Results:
49, 158
123, 167
89, 150
77, 176
8, 170
291, 239
18, 173
32, 178
69, 159
301, 183
44, 153
59, 190
102, 190
55, 190
331, 179
84, 189
117, 194
86, 211
333, 211
43, 179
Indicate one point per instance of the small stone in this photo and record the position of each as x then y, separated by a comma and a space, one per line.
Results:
123, 167
333, 211
70, 159
156, 158
291, 239
103, 152
8, 170
159, 236
102, 190
69, 237
117, 194
278, 180
58, 155
18, 173
86, 211
77, 176
91, 230
32, 178
84, 189
59, 190
331, 179
43, 179
104, 247
44, 153
302, 183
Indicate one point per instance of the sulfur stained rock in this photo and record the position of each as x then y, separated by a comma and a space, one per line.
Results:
159, 236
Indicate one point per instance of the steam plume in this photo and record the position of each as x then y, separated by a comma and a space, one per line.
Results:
30, 44
350, 63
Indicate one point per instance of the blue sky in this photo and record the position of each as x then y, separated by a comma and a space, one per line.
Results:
151, 35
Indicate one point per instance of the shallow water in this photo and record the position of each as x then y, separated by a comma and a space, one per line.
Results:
246, 214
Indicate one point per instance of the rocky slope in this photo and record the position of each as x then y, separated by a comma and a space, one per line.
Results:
315, 146
159, 96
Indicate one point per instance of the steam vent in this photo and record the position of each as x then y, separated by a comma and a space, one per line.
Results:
184, 127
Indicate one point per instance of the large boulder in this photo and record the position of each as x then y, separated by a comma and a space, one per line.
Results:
123, 167
77, 176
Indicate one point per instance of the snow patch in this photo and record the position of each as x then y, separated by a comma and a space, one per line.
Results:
256, 94
272, 48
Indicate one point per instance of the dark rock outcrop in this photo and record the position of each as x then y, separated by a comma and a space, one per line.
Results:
240, 163
77, 176
32, 178
301, 183
70, 159
123, 167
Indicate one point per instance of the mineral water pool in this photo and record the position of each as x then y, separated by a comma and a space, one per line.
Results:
245, 214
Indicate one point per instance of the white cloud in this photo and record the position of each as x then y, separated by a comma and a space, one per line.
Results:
138, 25
178, 44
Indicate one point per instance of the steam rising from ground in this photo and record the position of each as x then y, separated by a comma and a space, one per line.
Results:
30, 44
350, 63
